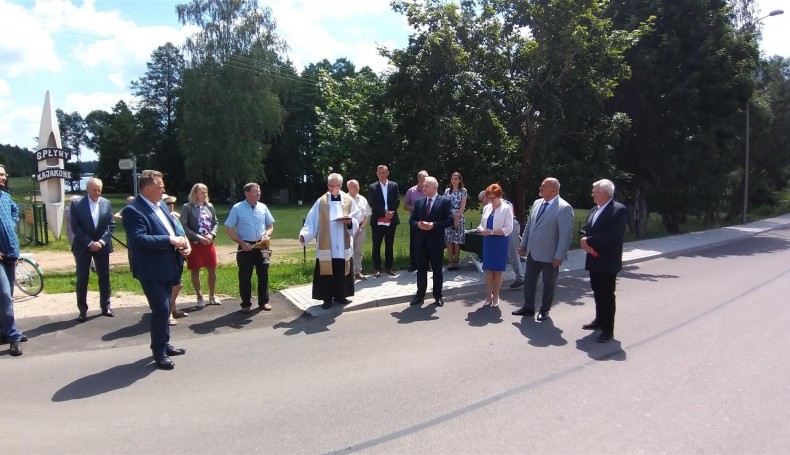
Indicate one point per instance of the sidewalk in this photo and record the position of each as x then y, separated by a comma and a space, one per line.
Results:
388, 290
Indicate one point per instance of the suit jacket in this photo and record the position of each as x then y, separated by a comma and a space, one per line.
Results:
376, 201
84, 231
549, 237
441, 215
151, 256
606, 238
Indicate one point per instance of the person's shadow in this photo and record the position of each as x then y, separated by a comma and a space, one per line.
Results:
540, 334
117, 377
484, 315
612, 350
416, 313
141, 328
232, 320
307, 326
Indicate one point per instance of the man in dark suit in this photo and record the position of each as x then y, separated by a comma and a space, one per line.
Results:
602, 239
384, 200
429, 218
156, 253
92, 223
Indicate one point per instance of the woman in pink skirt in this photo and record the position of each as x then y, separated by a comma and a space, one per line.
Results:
200, 224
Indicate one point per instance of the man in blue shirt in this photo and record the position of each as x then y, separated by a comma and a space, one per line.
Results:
249, 222
9, 254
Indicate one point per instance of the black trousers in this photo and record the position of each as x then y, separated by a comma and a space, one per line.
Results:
412, 248
434, 257
603, 287
387, 234
247, 260
83, 266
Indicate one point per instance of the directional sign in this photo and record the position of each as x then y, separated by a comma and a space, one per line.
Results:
125, 165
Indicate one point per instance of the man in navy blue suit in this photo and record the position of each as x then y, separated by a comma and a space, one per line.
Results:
384, 200
156, 253
429, 218
91, 221
602, 239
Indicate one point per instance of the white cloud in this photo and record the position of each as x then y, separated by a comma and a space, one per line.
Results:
25, 46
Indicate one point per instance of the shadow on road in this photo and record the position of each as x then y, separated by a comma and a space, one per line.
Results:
232, 320
117, 377
416, 313
484, 315
142, 327
307, 326
540, 334
612, 350
52, 327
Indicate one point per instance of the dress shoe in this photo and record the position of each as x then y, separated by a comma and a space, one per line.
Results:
416, 301
108, 312
391, 272
605, 337
173, 351
591, 326
516, 284
265, 307
82, 317
164, 363
542, 316
439, 302
246, 310
411, 269
377, 273
15, 350
327, 304
524, 312
342, 301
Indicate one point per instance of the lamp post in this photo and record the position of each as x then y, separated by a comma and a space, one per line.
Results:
775, 12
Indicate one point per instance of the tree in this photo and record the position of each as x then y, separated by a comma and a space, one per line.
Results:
72, 134
231, 91
159, 92
507, 91
113, 137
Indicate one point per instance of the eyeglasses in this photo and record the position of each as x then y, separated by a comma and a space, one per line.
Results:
171, 203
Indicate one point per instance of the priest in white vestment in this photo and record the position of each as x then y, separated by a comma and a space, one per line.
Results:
332, 222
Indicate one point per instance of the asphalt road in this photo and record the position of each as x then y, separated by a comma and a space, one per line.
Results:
699, 365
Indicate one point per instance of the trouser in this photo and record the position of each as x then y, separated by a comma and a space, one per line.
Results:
426, 256
412, 247
387, 234
359, 245
535, 269
247, 260
7, 279
513, 242
83, 263
603, 286
158, 295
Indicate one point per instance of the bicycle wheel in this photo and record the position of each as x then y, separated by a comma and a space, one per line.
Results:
29, 278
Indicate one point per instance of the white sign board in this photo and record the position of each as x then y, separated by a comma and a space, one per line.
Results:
125, 165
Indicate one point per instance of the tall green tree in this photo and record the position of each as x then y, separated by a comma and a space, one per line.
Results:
158, 93
509, 91
72, 134
231, 91
113, 136
691, 78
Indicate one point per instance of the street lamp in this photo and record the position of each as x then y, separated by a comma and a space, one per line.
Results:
775, 12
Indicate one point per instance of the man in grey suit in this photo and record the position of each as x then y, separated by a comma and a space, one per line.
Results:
92, 224
545, 243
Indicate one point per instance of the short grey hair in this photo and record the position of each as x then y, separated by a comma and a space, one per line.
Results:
335, 178
606, 185
352, 182
422, 173
431, 181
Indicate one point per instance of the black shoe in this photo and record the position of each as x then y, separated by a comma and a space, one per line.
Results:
15, 350
516, 284
108, 312
542, 316
164, 363
416, 301
412, 269
605, 337
591, 326
439, 302
523, 312
173, 351
82, 317
342, 301
327, 304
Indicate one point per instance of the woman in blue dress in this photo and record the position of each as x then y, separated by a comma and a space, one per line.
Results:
454, 235
495, 225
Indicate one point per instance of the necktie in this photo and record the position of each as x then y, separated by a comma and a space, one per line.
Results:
428, 208
542, 209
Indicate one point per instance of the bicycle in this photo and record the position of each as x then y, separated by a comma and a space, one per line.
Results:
29, 278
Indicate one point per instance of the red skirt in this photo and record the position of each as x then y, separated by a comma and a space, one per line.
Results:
202, 256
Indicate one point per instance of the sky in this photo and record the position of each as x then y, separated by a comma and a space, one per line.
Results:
87, 52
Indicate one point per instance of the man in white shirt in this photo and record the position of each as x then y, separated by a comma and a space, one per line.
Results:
364, 219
